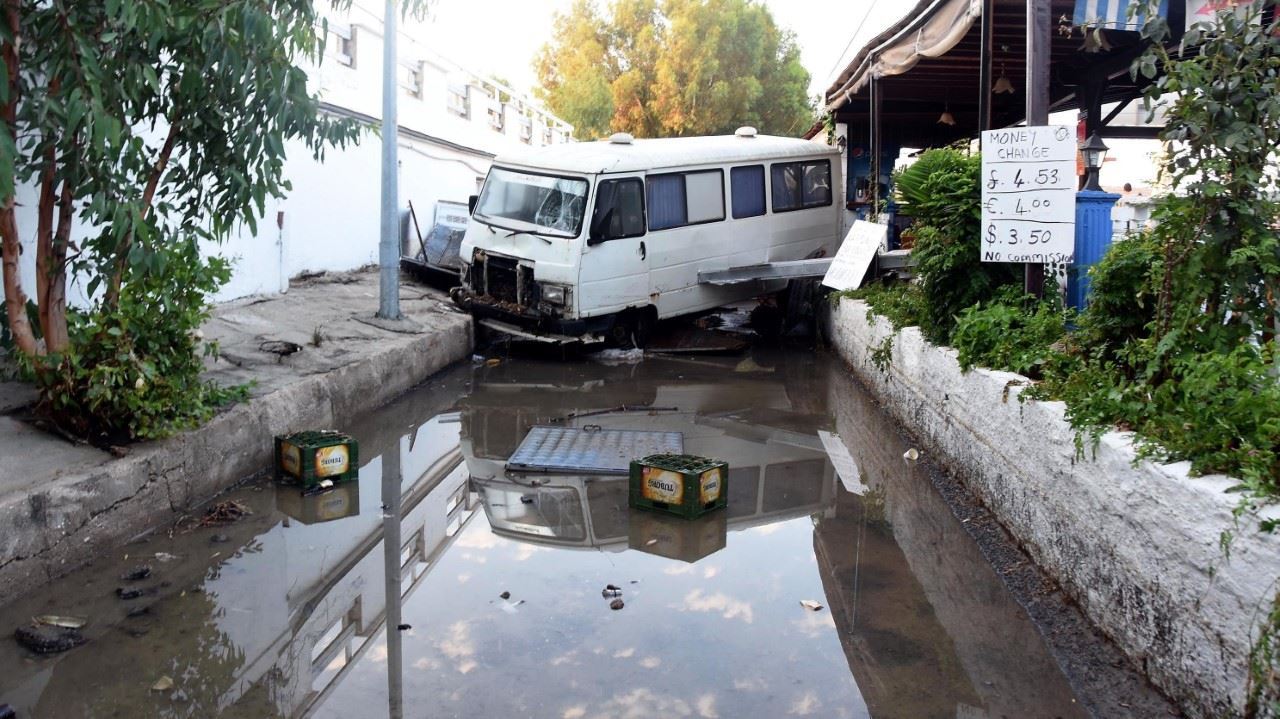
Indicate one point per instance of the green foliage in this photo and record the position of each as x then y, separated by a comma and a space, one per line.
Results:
882, 355
944, 198
661, 68
901, 303
153, 126
1013, 332
134, 373
1263, 690
1122, 299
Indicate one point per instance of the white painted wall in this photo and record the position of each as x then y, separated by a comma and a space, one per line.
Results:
330, 220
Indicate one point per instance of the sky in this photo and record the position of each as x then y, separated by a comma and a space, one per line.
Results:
502, 36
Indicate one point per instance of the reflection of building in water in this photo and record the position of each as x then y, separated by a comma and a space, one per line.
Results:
776, 470
926, 625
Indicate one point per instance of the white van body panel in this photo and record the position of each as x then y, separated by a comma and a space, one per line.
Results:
659, 268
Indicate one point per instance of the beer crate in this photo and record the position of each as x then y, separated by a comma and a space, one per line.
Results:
680, 484
311, 457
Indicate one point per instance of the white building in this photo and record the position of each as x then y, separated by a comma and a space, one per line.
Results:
452, 122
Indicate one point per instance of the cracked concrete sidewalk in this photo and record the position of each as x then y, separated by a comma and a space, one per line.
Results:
58, 496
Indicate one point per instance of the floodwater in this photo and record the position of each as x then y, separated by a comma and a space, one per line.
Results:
286, 612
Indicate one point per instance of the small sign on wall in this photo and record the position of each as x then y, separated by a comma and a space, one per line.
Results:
855, 255
1029, 194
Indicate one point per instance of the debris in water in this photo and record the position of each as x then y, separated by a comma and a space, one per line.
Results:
911, 455
750, 365
53, 620
219, 539
137, 573
48, 640
166, 557
510, 607
404, 627
225, 513
163, 684
611, 590
129, 593
492, 362
616, 604
651, 542
618, 356
505, 595
526, 499
139, 612
811, 605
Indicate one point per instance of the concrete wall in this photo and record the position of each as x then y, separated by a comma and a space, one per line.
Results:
1135, 543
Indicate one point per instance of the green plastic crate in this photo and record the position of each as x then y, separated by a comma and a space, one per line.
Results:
680, 484
311, 457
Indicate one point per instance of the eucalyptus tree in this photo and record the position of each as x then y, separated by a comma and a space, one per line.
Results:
148, 126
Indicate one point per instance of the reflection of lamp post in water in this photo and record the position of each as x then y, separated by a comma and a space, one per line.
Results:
391, 574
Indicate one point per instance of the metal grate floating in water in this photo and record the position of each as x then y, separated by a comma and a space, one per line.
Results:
590, 449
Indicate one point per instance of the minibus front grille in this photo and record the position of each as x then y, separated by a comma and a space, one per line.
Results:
502, 279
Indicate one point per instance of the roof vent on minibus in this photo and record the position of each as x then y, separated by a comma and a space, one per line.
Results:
621, 138
745, 131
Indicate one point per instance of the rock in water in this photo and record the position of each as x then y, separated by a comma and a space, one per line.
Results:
48, 640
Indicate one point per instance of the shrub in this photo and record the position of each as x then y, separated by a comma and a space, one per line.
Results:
901, 303
1014, 332
1122, 300
941, 193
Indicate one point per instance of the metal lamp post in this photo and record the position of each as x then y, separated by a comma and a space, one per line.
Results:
388, 246
1093, 223
1095, 152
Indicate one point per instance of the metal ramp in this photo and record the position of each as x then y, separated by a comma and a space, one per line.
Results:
788, 270
899, 260
590, 449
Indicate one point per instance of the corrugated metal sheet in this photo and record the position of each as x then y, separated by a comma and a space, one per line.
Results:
589, 449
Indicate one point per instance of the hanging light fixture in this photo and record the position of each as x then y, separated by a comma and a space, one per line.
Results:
1002, 86
946, 118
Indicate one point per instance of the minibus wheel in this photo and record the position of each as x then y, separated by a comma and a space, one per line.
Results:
631, 328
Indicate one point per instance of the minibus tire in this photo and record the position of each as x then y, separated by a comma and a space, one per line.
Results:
631, 328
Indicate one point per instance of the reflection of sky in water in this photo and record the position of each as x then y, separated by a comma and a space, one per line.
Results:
724, 637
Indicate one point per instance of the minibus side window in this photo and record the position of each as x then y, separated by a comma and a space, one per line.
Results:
619, 210
746, 185
685, 198
800, 185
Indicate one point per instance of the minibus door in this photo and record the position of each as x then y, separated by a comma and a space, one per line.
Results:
615, 265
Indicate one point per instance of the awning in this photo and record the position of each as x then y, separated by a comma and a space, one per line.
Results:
934, 33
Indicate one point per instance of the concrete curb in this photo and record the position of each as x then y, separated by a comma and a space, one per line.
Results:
58, 527
1134, 542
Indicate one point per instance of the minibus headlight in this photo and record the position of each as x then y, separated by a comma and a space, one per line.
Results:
555, 295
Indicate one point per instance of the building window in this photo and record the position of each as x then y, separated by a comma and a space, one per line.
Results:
343, 44
687, 198
459, 103
411, 78
800, 185
746, 185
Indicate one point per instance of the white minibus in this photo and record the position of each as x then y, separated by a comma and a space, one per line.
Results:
597, 240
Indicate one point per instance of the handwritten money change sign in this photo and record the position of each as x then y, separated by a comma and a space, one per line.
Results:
1029, 194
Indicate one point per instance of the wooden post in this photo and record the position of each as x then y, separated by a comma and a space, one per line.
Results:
876, 101
1039, 39
984, 71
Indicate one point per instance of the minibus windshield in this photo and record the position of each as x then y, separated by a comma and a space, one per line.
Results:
529, 202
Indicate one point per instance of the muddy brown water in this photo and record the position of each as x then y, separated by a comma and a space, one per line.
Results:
286, 612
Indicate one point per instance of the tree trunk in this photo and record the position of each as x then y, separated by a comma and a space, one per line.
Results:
54, 312
122, 255
15, 300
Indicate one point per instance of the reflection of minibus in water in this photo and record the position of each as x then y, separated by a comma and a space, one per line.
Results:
597, 240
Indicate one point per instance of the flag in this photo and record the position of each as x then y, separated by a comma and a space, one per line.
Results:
1114, 14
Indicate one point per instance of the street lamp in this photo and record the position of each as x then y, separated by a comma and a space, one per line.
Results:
1095, 152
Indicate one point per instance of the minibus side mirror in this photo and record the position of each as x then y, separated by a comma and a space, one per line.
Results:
471, 204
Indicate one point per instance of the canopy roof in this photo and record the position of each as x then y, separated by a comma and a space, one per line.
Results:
930, 61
